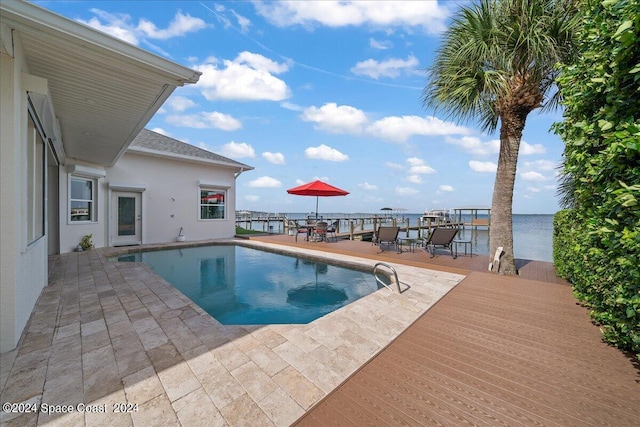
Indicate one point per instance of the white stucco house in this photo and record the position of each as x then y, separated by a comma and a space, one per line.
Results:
75, 158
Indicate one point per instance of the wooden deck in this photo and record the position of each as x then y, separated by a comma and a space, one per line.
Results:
496, 350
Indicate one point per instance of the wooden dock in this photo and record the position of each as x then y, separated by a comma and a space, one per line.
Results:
351, 227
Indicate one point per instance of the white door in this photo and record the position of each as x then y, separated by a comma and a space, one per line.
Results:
126, 218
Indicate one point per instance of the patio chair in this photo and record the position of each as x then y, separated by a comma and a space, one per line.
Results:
441, 237
332, 229
298, 229
387, 236
320, 231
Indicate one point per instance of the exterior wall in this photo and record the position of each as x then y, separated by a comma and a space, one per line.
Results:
23, 268
170, 200
70, 233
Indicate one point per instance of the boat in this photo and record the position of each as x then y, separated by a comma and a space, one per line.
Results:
437, 215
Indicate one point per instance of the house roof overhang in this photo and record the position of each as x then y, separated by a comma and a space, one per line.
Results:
103, 90
235, 166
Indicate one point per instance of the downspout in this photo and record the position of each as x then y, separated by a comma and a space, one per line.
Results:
237, 174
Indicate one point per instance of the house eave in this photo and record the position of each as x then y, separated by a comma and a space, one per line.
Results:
239, 167
23, 15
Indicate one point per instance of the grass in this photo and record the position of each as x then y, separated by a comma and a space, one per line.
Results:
244, 231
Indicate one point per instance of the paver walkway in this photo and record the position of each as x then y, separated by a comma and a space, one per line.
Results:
106, 334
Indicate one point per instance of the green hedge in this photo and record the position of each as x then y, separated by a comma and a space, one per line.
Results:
606, 280
597, 243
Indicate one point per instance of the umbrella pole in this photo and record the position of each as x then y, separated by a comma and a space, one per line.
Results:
317, 208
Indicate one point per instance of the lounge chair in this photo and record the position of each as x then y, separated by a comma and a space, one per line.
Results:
387, 236
441, 237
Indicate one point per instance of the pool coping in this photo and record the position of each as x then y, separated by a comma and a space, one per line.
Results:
140, 340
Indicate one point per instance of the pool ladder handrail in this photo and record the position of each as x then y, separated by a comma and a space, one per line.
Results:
395, 274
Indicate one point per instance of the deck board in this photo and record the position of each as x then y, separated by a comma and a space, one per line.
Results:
495, 351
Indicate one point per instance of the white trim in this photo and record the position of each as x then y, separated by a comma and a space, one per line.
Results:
86, 171
219, 188
39, 97
212, 185
94, 194
132, 188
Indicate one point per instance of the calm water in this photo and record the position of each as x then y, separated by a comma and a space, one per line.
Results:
532, 234
243, 286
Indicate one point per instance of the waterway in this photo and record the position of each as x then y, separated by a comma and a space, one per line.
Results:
532, 234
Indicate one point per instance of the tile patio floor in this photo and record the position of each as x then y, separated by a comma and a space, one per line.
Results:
105, 333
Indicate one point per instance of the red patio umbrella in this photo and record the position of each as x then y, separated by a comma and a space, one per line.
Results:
318, 189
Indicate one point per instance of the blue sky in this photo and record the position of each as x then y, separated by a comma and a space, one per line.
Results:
326, 90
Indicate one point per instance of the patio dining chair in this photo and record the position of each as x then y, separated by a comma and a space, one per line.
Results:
298, 229
320, 231
332, 230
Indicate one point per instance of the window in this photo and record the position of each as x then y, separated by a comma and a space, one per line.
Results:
35, 183
212, 204
82, 199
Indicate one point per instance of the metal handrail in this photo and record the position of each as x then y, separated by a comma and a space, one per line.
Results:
395, 274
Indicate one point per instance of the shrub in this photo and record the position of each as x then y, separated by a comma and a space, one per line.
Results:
597, 246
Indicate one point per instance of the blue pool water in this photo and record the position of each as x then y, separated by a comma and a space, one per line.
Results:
244, 286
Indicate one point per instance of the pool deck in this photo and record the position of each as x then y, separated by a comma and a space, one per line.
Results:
105, 333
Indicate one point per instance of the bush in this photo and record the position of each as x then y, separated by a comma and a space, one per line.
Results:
597, 243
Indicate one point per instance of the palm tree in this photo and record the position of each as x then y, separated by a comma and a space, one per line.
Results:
497, 64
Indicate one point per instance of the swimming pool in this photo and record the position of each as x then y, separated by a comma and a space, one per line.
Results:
245, 286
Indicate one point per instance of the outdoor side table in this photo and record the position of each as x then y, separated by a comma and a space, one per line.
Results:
465, 243
410, 242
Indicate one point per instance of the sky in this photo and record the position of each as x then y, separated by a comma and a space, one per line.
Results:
328, 90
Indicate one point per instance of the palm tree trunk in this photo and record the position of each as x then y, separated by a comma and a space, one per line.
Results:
501, 231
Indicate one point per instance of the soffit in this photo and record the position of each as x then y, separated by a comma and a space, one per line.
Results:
103, 90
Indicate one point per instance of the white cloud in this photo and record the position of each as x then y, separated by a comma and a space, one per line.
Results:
406, 191
527, 149
179, 103
418, 167
533, 189
251, 198
474, 145
243, 21
119, 25
395, 166
161, 131
291, 106
414, 179
179, 26
249, 77
336, 118
205, 120
429, 15
401, 128
367, 186
389, 68
378, 44
482, 166
275, 158
265, 182
532, 176
445, 188
324, 152
237, 150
